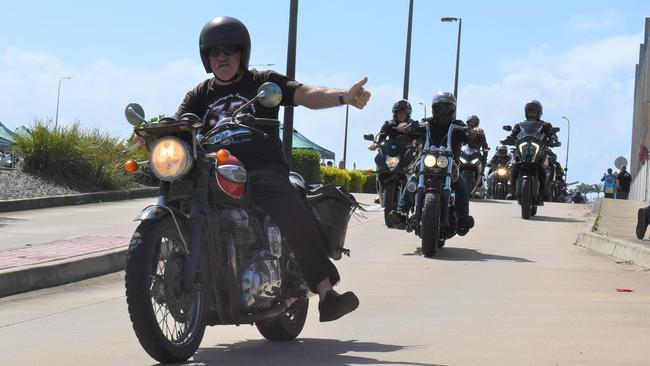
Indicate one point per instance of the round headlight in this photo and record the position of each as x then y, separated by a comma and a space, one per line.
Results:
501, 172
429, 161
392, 162
442, 162
170, 158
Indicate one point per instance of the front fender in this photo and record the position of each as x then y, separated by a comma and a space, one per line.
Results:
157, 212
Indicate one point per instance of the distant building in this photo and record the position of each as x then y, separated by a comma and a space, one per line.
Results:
640, 188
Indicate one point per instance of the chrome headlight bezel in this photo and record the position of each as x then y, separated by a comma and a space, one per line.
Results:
173, 162
392, 162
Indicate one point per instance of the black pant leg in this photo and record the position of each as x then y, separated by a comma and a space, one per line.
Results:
275, 195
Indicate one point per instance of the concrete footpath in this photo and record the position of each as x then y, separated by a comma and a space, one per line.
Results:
611, 230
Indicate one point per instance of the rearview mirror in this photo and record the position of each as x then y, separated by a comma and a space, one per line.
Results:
507, 127
369, 137
555, 129
270, 95
135, 114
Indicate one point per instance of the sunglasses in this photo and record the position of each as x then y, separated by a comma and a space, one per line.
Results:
228, 51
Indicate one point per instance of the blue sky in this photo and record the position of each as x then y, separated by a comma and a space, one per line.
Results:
577, 57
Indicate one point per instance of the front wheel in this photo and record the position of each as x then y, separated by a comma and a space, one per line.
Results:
430, 224
526, 199
468, 177
501, 192
168, 322
286, 326
390, 194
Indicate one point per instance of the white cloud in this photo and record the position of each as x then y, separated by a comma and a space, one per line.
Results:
604, 20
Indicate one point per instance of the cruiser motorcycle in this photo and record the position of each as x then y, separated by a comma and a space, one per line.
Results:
204, 254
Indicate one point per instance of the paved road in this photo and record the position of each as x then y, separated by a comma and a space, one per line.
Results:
525, 296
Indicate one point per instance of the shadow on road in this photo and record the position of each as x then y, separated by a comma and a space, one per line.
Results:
555, 219
303, 351
470, 255
4, 221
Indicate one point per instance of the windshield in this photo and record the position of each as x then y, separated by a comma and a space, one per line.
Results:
530, 128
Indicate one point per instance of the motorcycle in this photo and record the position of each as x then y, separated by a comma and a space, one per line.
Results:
205, 254
529, 158
395, 162
498, 182
434, 220
471, 168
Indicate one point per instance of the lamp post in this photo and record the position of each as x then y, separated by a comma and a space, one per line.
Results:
425, 109
287, 132
568, 142
407, 61
58, 94
460, 25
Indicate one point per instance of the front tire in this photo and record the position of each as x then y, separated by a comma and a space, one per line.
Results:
286, 326
430, 224
389, 202
526, 199
470, 182
168, 322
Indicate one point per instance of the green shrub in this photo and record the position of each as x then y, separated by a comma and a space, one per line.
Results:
89, 160
339, 177
307, 163
370, 186
357, 180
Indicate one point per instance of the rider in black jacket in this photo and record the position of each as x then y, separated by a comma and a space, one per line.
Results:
400, 124
501, 157
443, 107
533, 112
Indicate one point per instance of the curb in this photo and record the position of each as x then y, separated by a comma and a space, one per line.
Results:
637, 254
75, 199
61, 272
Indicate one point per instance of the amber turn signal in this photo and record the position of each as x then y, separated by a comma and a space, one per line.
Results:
131, 166
222, 156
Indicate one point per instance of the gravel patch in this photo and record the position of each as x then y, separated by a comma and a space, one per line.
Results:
17, 184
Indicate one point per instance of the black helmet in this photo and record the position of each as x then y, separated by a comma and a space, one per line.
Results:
473, 121
223, 32
533, 104
502, 150
444, 106
402, 106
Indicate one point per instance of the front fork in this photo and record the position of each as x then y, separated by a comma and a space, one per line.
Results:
199, 210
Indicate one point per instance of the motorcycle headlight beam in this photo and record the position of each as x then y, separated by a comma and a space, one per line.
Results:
442, 162
429, 161
170, 158
475, 161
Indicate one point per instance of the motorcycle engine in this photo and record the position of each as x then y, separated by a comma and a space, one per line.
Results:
258, 249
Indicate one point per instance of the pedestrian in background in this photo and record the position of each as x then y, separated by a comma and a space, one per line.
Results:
623, 180
609, 183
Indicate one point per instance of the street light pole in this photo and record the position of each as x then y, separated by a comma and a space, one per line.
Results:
345, 139
568, 142
287, 131
425, 109
407, 62
58, 95
460, 26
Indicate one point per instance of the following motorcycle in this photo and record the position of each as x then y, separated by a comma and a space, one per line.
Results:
205, 254
530, 146
395, 162
471, 167
498, 182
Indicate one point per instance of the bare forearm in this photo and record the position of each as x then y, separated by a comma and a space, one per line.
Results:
315, 97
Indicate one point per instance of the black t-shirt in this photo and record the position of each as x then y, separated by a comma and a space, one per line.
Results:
213, 102
624, 180
438, 135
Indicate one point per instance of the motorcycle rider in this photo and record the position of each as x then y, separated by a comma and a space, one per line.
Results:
476, 137
401, 124
225, 49
533, 112
443, 109
501, 157
555, 166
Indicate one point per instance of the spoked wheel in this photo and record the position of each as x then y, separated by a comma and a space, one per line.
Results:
286, 326
168, 321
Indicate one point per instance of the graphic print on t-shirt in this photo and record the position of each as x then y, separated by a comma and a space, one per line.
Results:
224, 107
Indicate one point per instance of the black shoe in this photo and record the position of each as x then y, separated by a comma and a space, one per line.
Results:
510, 196
465, 225
335, 305
641, 223
377, 199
